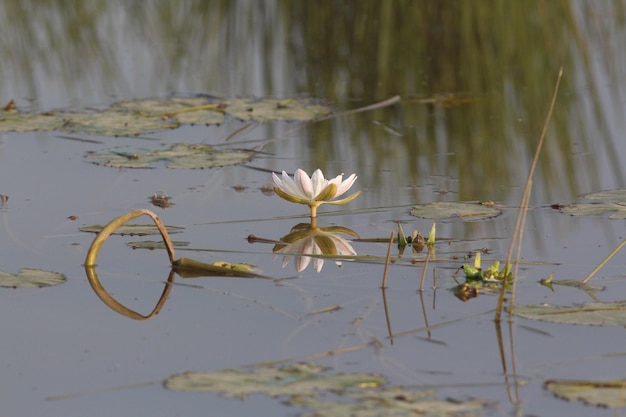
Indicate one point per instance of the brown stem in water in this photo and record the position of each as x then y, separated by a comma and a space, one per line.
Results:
116, 223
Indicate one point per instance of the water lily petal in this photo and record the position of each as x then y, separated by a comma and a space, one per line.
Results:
342, 246
290, 197
304, 183
319, 182
287, 184
302, 262
327, 193
345, 200
318, 263
344, 186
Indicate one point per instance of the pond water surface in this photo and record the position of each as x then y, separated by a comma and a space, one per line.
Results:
475, 81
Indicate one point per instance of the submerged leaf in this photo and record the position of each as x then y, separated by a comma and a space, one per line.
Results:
181, 155
599, 393
465, 210
28, 277
591, 313
133, 229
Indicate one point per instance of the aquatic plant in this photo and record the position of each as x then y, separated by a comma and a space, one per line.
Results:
308, 239
314, 190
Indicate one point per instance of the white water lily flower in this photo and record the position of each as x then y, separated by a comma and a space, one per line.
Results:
306, 239
315, 190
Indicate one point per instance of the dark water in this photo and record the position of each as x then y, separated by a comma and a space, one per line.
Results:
475, 80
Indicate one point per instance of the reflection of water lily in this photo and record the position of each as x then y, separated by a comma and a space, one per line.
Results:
306, 239
315, 190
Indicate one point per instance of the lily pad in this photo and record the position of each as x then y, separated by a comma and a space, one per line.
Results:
273, 109
28, 122
599, 393
608, 195
392, 401
181, 155
614, 201
591, 209
133, 229
591, 313
465, 210
310, 386
114, 123
28, 277
129, 118
153, 244
298, 379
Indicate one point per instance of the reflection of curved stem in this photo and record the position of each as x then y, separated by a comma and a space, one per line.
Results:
120, 221
115, 305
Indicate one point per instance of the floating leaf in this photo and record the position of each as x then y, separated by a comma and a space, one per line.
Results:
608, 195
591, 313
599, 393
298, 379
392, 401
182, 155
27, 277
273, 109
591, 209
615, 202
310, 386
28, 122
190, 268
465, 210
578, 285
128, 118
114, 123
153, 244
133, 229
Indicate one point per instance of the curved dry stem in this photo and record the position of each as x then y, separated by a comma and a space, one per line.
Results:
115, 305
116, 223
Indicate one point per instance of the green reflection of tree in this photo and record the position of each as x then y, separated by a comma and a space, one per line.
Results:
503, 56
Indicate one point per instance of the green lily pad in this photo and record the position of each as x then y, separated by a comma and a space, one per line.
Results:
113, 123
591, 313
310, 386
298, 379
608, 195
615, 201
591, 209
28, 122
465, 210
186, 110
599, 393
181, 156
28, 277
392, 401
129, 118
273, 109
133, 229
153, 244
579, 285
